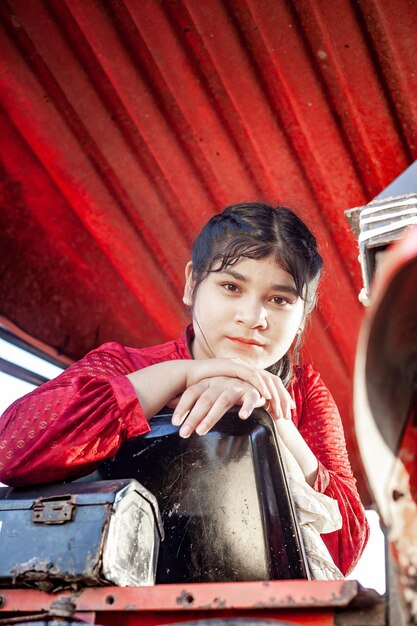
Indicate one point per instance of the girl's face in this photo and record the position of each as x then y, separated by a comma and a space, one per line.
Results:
250, 310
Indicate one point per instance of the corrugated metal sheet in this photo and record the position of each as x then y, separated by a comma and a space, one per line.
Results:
125, 124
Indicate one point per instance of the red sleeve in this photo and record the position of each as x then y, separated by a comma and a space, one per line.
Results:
67, 426
321, 426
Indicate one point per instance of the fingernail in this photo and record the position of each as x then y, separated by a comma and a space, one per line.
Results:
293, 405
178, 419
201, 430
185, 432
244, 414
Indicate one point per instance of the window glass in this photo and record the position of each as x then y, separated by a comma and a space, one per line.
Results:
29, 361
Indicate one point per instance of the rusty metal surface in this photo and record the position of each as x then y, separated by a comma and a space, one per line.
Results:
53, 510
126, 125
198, 597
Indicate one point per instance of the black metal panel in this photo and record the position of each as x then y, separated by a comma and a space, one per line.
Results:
224, 500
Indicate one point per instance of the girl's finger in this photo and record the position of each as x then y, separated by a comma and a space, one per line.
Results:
279, 400
173, 402
196, 414
187, 402
258, 378
222, 404
274, 404
286, 402
251, 400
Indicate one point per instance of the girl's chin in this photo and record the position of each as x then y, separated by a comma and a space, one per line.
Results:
200, 351
250, 359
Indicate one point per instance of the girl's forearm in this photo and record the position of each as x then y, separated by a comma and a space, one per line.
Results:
299, 449
157, 384
290, 462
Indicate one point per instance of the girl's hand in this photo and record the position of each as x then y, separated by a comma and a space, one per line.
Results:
278, 401
158, 384
204, 403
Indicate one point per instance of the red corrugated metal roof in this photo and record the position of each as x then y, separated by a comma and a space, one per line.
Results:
125, 125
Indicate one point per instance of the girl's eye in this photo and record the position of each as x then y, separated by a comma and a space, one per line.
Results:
230, 287
280, 300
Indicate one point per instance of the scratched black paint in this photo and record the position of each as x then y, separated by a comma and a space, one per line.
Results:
224, 500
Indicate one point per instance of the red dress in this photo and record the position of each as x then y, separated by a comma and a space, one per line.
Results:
64, 428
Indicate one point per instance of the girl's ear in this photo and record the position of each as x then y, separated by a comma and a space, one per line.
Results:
302, 326
189, 285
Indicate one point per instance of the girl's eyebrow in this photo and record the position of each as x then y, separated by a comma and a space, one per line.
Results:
235, 275
286, 288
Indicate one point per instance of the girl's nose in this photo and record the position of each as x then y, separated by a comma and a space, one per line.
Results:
252, 314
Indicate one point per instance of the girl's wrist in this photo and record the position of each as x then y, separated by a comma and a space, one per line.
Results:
177, 372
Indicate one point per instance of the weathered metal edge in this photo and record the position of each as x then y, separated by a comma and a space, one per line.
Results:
196, 596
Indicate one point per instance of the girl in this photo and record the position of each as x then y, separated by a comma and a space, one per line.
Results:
250, 286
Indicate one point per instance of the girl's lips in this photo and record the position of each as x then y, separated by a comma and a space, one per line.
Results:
246, 342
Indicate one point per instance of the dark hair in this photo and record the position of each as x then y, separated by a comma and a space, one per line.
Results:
255, 230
